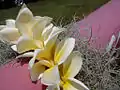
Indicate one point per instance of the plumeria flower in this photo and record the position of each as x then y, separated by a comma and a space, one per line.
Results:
29, 32
68, 70
35, 31
47, 67
9, 32
31, 28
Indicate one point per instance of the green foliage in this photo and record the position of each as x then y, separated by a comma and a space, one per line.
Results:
57, 9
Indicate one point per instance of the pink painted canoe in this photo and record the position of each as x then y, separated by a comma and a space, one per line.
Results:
104, 22
16, 77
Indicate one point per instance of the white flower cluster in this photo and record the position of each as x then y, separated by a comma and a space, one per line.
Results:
55, 64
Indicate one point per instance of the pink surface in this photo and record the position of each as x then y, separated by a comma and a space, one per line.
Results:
16, 77
104, 22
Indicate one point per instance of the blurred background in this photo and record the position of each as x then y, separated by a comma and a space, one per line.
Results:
59, 10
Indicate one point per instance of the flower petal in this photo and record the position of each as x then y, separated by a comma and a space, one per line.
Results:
9, 34
32, 61
72, 65
24, 15
51, 76
10, 23
28, 54
47, 31
77, 85
25, 44
55, 31
48, 51
36, 70
14, 47
63, 50
22, 21
39, 26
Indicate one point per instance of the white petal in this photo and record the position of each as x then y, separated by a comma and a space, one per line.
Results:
72, 65
47, 53
37, 30
47, 34
24, 15
36, 71
23, 19
51, 76
55, 31
46, 29
14, 47
39, 27
9, 34
10, 23
25, 44
63, 50
32, 61
27, 54
46, 20
77, 84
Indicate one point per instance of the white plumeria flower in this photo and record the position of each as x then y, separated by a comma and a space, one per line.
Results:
59, 55
29, 32
68, 70
34, 30
8, 32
